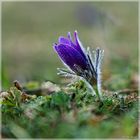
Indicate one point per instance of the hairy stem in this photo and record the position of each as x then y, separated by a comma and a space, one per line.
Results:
98, 92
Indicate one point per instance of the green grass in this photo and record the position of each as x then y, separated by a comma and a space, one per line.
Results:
71, 114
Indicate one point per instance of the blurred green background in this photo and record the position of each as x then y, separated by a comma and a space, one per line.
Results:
30, 28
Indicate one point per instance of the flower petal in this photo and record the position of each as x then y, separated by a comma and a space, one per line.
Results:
79, 45
69, 36
70, 56
64, 40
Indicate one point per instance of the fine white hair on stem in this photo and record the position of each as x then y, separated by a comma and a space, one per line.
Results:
98, 59
67, 73
89, 87
91, 63
65, 70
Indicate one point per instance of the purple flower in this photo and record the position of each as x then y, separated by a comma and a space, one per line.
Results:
79, 61
71, 53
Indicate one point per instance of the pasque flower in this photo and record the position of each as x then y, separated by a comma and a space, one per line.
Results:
80, 62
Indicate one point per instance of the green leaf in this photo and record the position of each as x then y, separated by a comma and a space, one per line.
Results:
60, 99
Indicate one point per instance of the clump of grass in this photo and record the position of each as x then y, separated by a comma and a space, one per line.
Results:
68, 113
